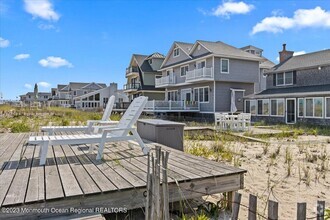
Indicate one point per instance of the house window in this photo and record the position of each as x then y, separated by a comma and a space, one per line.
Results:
247, 106
150, 61
309, 107
301, 103
172, 95
277, 107
318, 107
201, 94
74, 92
168, 72
263, 107
327, 107
183, 70
253, 107
176, 52
284, 79
201, 64
224, 66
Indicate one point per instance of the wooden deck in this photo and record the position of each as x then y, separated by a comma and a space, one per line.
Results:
72, 178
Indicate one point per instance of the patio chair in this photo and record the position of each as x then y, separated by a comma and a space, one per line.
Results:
123, 131
92, 125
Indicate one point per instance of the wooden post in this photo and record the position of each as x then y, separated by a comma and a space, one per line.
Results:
166, 215
301, 211
152, 212
236, 205
320, 210
252, 207
272, 210
157, 183
147, 211
230, 201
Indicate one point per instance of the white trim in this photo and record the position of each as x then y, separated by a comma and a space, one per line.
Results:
286, 110
168, 55
270, 104
189, 91
185, 72
169, 91
262, 109
202, 87
178, 49
284, 82
314, 107
325, 106
200, 61
195, 45
222, 59
303, 108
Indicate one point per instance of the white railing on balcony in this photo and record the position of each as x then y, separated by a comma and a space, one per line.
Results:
165, 80
157, 105
203, 73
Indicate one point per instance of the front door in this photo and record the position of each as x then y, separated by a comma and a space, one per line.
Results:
186, 94
290, 111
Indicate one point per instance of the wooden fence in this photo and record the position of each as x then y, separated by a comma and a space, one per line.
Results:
273, 209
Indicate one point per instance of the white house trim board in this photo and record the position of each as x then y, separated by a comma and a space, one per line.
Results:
195, 45
221, 66
169, 53
326, 100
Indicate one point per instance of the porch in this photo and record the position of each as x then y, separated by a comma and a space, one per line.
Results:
174, 106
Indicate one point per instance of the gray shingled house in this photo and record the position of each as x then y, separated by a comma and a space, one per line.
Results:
200, 78
141, 75
298, 90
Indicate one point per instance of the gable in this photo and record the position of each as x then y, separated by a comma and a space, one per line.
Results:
199, 50
92, 86
170, 59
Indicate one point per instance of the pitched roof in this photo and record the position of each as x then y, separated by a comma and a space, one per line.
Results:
186, 47
266, 64
304, 61
156, 55
287, 91
250, 47
79, 85
220, 48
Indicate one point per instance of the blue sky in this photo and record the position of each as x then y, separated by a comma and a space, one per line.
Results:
55, 42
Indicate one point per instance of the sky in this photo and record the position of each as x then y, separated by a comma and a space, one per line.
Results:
52, 42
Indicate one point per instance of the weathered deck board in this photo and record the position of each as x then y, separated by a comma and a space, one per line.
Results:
52, 178
85, 181
21, 178
102, 181
9, 170
72, 177
70, 185
36, 185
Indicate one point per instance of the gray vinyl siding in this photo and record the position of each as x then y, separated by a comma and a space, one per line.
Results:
204, 107
261, 85
239, 71
223, 95
306, 78
181, 57
154, 96
156, 63
200, 52
149, 79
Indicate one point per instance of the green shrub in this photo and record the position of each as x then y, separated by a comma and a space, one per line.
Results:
65, 122
18, 127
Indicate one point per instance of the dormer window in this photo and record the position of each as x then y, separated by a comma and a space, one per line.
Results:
150, 61
176, 52
284, 79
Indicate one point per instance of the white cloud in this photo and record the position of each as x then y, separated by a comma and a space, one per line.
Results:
228, 8
21, 56
297, 53
42, 9
302, 18
46, 26
54, 62
44, 84
4, 43
28, 86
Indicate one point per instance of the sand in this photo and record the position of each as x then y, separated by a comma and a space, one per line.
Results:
268, 178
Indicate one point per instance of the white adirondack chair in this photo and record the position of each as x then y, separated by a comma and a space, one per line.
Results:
92, 125
123, 131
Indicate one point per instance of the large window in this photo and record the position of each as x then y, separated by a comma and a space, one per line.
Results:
172, 95
263, 107
314, 107
277, 107
201, 94
250, 106
327, 107
201, 64
284, 79
176, 52
183, 70
224, 66
301, 103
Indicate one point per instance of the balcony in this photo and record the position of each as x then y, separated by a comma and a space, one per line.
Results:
131, 87
165, 81
199, 75
131, 71
171, 106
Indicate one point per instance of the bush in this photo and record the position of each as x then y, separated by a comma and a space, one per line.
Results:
18, 127
65, 122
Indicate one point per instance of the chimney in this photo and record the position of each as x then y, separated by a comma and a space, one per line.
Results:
285, 54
